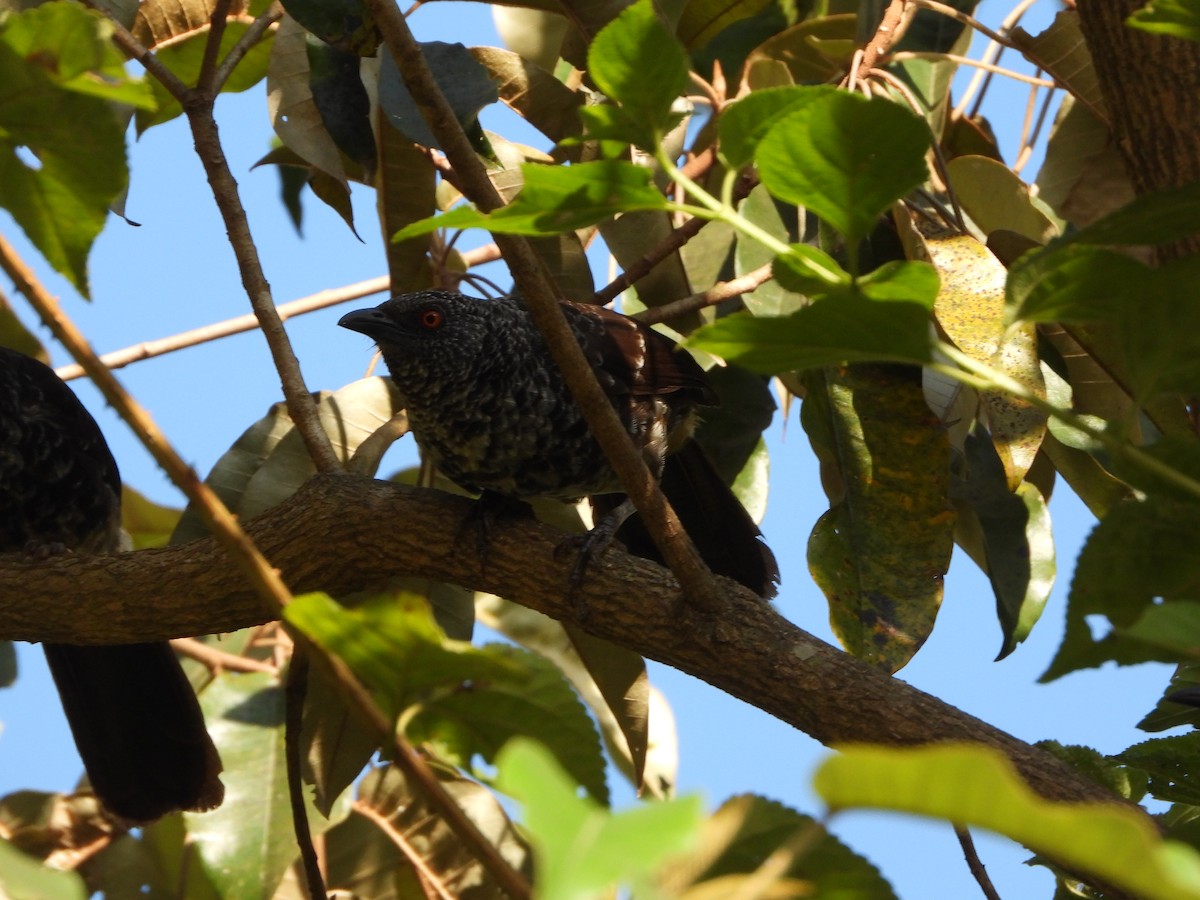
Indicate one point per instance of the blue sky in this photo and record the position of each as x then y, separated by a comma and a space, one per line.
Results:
177, 272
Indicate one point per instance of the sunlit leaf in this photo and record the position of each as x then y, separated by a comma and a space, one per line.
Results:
640, 65
582, 848
467, 700
558, 198
972, 785
1178, 18
247, 843
832, 331
1016, 540
845, 158
1139, 555
22, 876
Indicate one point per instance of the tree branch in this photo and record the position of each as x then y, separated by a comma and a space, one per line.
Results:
327, 537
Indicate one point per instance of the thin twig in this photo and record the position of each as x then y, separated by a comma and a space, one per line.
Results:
1026, 151
527, 270
224, 526
975, 864
960, 16
118, 359
990, 55
218, 660
238, 51
301, 405
667, 246
902, 55
295, 693
718, 293
198, 106
212, 44
935, 145
886, 34
133, 48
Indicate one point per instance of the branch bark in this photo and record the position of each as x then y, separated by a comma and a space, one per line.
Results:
328, 537
1151, 86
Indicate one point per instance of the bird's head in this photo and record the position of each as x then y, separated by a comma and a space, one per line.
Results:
423, 332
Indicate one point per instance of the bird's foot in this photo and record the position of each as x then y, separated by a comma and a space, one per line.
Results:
489, 509
40, 551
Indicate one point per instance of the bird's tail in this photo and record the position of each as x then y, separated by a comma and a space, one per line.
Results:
728, 539
138, 726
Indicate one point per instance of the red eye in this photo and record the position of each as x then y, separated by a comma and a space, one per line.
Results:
432, 318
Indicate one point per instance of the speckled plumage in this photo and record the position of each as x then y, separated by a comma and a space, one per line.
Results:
489, 406
487, 403
133, 714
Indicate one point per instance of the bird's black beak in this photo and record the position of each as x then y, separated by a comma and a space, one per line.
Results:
371, 322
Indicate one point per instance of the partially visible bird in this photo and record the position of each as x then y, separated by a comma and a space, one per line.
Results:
135, 719
489, 406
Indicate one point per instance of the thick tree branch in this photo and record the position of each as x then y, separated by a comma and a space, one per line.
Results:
328, 537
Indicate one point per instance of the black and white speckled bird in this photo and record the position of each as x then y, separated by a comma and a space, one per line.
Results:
489, 406
134, 716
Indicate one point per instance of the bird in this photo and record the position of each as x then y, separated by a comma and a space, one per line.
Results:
132, 712
489, 406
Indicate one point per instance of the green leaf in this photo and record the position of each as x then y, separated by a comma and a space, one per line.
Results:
1178, 18
611, 680
1015, 542
880, 551
845, 158
1073, 283
771, 298
997, 199
466, 84
975, 786
1141, 554
809, 270
269, 462
1155, 218
468, 700
742, 124
901, 281
61, 200
556, 199
24, 878
581, 848
640, 65
1170, 764
1174, 627
830, 332
814, 51
702, 20
1062, 52
73, 47
245, 718
1170, 713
